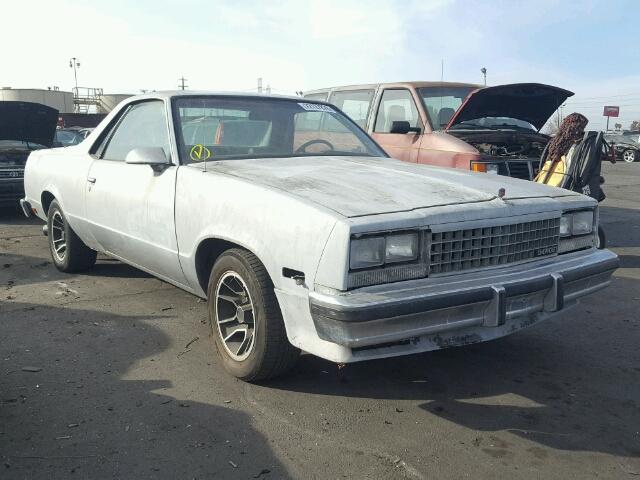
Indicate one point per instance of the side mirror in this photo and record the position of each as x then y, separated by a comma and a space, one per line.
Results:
402, 127
153, 156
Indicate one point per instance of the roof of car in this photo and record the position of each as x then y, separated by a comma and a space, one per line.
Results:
415, 84
168, 94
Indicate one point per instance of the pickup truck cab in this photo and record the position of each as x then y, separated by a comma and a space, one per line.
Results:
303, 235
457, 125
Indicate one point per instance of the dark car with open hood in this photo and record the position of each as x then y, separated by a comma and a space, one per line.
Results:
24, 127
459, 125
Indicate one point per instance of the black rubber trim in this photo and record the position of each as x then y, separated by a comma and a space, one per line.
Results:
591, 270
400, 308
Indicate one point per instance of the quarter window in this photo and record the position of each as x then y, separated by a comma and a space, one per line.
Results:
396, 105
355, 103
143, 125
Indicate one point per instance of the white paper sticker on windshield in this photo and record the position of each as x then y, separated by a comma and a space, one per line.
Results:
317, 107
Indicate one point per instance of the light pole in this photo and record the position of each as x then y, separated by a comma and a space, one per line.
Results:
75, 64
484, 73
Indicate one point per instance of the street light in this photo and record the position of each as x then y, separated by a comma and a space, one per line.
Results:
484, 73
75, 64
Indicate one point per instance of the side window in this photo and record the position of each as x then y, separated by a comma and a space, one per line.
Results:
355, 103
317, 96
396, 105
143, 125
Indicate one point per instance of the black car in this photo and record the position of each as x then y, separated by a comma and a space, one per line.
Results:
626, 148
24, 127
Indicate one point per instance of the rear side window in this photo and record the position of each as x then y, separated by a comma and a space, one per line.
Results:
355, 103
317, 96
143, 125
396, 105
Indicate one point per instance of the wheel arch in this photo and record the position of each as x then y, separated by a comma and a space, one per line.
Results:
45, 200
208, 251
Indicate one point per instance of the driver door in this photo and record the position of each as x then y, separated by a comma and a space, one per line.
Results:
397, 104
130, 207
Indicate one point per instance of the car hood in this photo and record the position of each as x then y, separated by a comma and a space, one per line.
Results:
28, 122
531, 102
358, 186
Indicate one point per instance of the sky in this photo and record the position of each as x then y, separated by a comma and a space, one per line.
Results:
590, 47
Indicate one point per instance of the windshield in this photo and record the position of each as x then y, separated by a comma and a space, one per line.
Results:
494, 123
20, 145
67, 138
221, 128
441, 103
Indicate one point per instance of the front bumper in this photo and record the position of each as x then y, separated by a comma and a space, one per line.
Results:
11, 191
459, 309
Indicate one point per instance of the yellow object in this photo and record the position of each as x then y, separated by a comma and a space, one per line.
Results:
479, 167
199, 153
558, 173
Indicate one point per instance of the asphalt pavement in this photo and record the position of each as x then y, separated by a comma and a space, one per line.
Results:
112, 374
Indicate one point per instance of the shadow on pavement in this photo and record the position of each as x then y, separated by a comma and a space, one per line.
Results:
79, 417
569, 383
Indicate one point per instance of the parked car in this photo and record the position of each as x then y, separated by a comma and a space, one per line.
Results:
626, 148
458, 125
66, 137
302, 234
24, 127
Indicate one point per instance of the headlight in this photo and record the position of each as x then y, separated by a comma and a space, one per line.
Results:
582, 223
565, 226
484, 167
367, 252
375, 251
576, 231
577, 223
401, 248
492, 168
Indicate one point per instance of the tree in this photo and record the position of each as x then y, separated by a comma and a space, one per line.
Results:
635, 126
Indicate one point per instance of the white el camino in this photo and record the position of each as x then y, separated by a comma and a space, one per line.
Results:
303, 235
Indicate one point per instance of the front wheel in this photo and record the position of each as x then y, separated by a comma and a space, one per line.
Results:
68, 252
245, 318
629, 156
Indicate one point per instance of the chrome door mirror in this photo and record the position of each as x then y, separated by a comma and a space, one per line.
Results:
153, 156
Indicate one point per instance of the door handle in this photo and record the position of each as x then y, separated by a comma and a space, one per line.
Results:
91, 180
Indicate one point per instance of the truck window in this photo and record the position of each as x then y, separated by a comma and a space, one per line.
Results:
355, 103
396, 105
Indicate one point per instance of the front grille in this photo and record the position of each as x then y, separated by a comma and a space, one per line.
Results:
519, 169
12, 173
489, 246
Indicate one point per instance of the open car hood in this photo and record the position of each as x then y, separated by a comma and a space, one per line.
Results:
28, 122
531, 102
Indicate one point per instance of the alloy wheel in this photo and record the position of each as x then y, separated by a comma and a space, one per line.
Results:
58, 237
235, 316
629, 156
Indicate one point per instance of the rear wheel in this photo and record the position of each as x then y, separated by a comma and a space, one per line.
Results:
629, 156
245, 318
68, 252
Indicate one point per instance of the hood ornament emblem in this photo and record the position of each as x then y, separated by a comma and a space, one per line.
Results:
501, 193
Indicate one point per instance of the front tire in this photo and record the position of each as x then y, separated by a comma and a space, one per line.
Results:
245, 319
68, 252
629, 156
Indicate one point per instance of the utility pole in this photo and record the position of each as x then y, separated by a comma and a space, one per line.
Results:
268, 90
484, 73
75, 64
260, 85
182, 84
